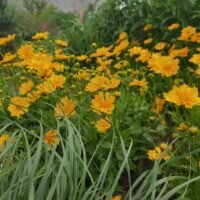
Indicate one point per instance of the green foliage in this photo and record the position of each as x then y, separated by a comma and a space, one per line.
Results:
6, 23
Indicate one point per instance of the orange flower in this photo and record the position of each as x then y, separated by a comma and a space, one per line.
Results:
26, 87
61, 43
65, 108
3, 140
51, 138
164, 65
141, 83
147, 27
158, 105
183, 95
102, 125
148, 41
111, 84
187, 32
158, 152
160, 46
42, 35
96, 83
173, 26
103, 103
19, 106
118, 197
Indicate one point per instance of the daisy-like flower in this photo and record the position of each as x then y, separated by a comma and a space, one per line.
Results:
41, 35
61, 43
164, 65
173, 26
183, 95
103, 103
3, 140
19, 106
102, 125
65, 108
51, 138
26, 87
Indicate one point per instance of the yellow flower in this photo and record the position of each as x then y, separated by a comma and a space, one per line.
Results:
42, 35
187, 32
183, 95
118, 197
102, 125
61, 43
25, 51
195, 59
122, 36
111, 83
147, 27
173, 26
96, 83
103, 103
8, 57
158, 105
164, 65
140, 83
19, 106
26, 87
8, 38
65, 108
81, 57
159, 152
182, 126
160, 46
148, 41
51, 138
3, 140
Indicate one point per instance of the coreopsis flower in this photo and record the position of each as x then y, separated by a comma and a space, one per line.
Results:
160, 152
144, 56
103, 125
147, 27
120, 47
158, 105
65, 108
119, 197
183, 95
141, 83
7, 39
182, 126
164, 65
82, 75
195, 59
26, 87
18, 106
25, 51
51, 138
8, 57
41, 35
160, 46
195, 37
103, 103
179, 52
122, 36
103, 51
173, 26
197, 71
61, 43
187, 32
111, 83
148, 41
96, 83
3, 140
193, 129
81, 57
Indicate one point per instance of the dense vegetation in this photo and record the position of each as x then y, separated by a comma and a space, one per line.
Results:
104, 108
